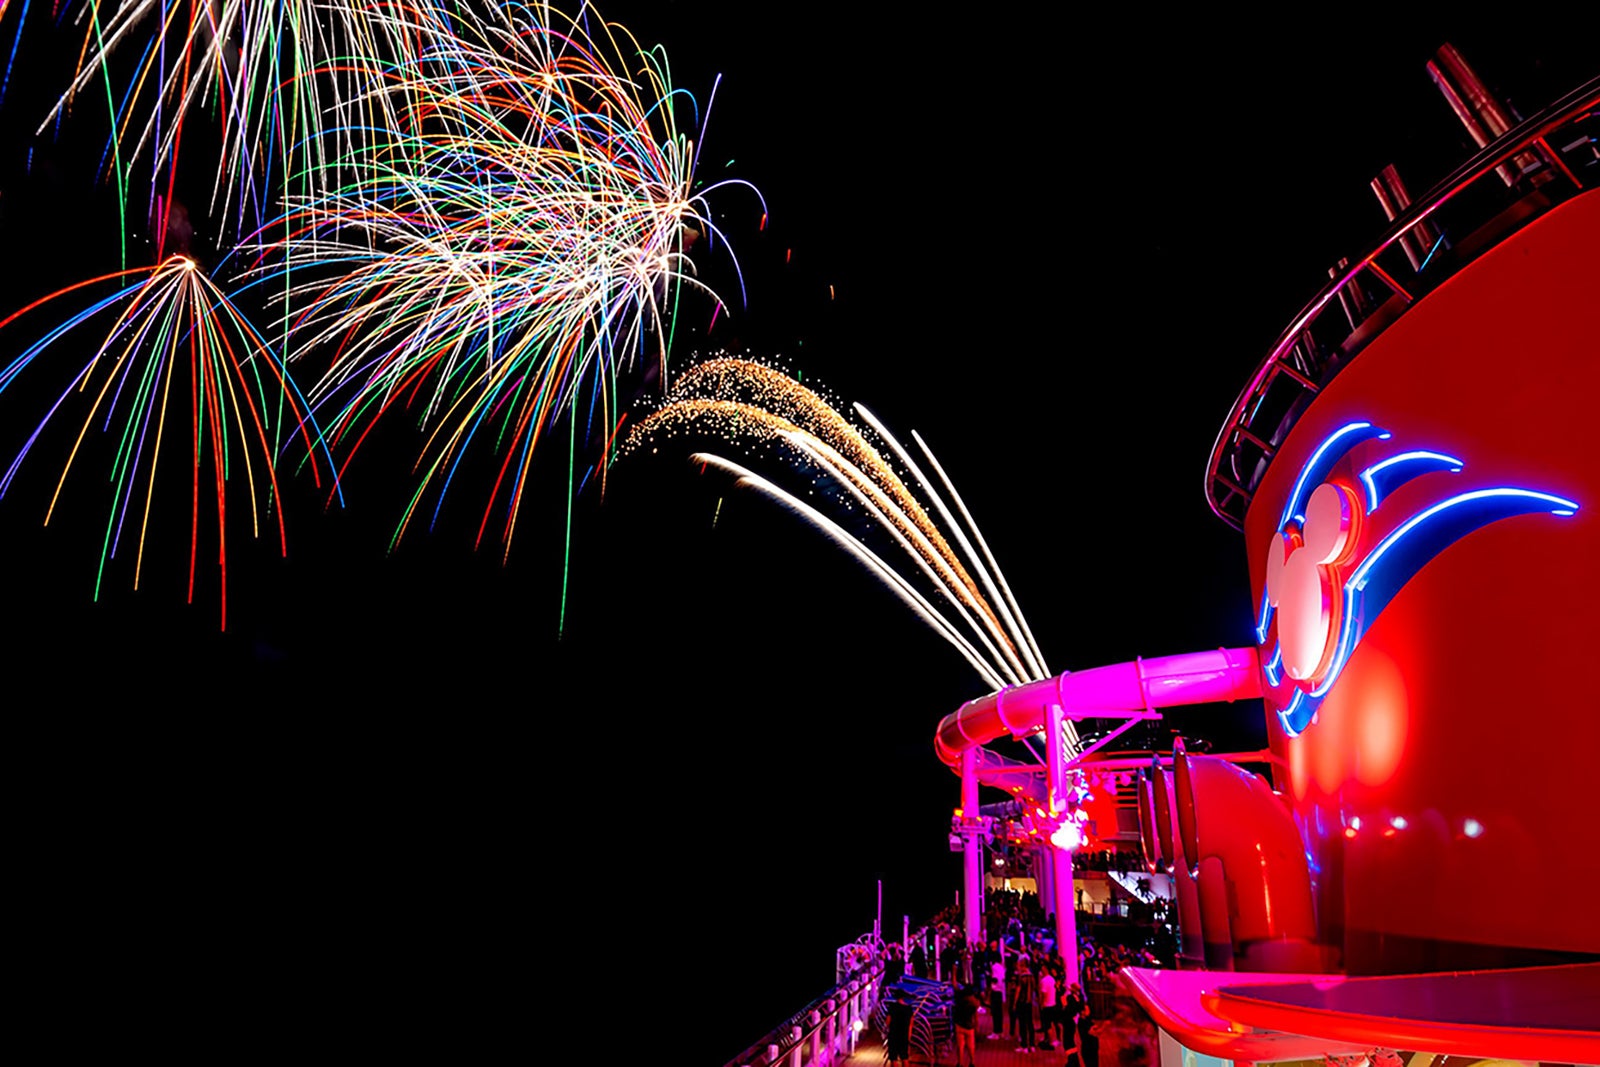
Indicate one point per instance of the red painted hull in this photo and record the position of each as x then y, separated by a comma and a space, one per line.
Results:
1445, 791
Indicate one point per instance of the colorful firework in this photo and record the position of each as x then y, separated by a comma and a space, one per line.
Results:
518, 238
765, 413
483, 214
275, 73
170, 324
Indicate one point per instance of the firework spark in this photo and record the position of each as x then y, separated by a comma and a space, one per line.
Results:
517, 239
276, 73
765, 413
482, 214
170, 324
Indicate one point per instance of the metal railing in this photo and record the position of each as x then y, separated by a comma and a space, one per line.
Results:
827, 1030
1102, 996
1546, 160
824, 1032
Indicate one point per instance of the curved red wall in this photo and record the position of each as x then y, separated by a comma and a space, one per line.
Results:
1463, 736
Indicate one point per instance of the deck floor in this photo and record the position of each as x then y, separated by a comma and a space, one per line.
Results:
999, 1053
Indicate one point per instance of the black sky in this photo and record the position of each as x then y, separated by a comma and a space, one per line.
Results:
1056, 246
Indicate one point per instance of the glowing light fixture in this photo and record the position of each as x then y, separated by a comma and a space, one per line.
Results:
1374, 586
1383, 478
1069, 835
1322, 461
1314, 641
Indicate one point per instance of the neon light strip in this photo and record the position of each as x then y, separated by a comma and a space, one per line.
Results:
1423, 461
1358, 581
1293, 509
1429, 257
1316, 467
1270, 667
1287, 715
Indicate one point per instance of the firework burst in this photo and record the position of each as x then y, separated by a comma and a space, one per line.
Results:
766, 414
275, 73
481, 215
497, 257
175, 347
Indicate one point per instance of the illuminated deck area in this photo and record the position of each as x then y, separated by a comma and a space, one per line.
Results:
1416, 489
1000, 1053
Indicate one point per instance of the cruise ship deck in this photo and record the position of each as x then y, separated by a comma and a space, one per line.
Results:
998, 1053
1415, 485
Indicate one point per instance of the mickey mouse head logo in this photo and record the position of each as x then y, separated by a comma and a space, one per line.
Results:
1301, 579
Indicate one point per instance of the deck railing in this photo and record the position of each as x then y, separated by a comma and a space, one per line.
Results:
824, 1032
1549, 158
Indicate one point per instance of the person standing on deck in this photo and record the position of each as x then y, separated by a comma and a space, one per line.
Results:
1086, 1039
997, 996
1047, 1005
1022, 1005
898, 1045
965, 1016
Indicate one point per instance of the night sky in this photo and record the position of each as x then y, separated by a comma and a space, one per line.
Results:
1056, 249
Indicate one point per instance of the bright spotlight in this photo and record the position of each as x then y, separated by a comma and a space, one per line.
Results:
1067, 836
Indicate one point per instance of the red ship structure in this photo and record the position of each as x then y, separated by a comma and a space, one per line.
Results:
1414, 469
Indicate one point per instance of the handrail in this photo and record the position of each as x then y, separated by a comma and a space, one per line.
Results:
825, 1031
1297, 358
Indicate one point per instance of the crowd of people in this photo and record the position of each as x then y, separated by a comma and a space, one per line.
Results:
1016, 979
1108, 860
1097, 963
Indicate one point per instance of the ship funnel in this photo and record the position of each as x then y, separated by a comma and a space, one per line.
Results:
1484, 117
1183, 800
1418, 242
1155, 795
1146, 805
1243, 850
1166, 849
